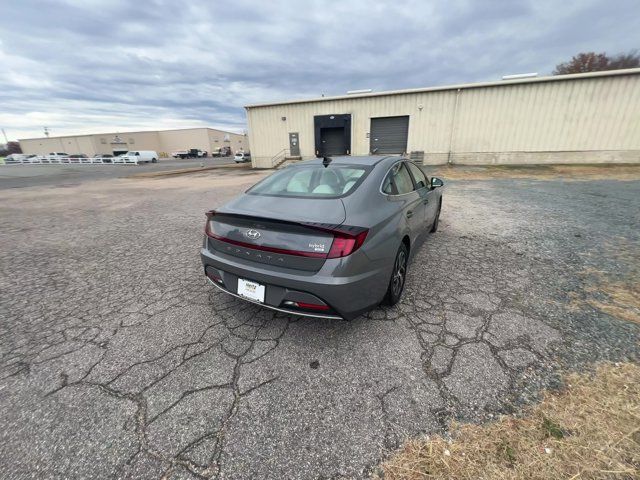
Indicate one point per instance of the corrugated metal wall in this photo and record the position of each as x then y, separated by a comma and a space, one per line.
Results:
536, 122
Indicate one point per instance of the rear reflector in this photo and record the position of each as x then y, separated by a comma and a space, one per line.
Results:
312, 306
306, 306
213, 277
346, 240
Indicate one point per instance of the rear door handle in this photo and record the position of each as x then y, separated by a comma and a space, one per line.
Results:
409, 214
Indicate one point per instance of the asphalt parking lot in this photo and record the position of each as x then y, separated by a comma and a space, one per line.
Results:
118, 360
21, 176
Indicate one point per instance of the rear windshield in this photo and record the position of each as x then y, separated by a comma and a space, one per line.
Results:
312, 181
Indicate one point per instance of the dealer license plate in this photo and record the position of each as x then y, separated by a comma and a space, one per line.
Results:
251, 290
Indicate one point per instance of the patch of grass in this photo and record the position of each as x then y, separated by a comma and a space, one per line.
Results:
589, 430
552, 428
508, 452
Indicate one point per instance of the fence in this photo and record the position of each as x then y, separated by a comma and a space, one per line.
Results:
72, 161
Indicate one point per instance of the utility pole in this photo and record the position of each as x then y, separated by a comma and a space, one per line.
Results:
46, 132
6, 140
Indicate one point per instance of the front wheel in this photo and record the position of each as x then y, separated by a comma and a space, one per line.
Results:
154, 160
398, 277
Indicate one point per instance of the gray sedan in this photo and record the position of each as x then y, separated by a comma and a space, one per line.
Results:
328, 238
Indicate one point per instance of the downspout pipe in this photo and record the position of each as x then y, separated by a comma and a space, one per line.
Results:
453, 126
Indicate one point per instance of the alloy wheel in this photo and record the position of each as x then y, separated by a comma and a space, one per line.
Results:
399, 272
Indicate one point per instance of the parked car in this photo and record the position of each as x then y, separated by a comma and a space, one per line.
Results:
241, 157
328, 238
197, 153
141, 156
179, 154
16, 157
106, 158
221, 152
78, 158
56, 155
191, 153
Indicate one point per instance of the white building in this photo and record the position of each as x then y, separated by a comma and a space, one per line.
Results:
162, 141
582, 118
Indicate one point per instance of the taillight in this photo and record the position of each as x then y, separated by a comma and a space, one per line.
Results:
207, 226
346, 240
346, 243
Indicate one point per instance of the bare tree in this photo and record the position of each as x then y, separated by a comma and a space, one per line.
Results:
9, 148
14, 147
596, 62
625, 60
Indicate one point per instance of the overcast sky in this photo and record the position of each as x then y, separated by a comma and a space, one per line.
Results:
81, 66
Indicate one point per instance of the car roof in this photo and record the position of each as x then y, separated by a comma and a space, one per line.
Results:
351, 160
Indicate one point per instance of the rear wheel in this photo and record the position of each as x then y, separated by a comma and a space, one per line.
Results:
398, 276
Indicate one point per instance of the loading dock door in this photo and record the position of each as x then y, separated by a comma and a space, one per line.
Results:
333, 141
332, 134
389, 134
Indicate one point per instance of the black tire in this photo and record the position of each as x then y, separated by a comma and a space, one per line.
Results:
436, 222
398, 277
154, 160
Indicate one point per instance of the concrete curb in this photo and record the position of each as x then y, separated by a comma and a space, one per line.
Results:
186, 171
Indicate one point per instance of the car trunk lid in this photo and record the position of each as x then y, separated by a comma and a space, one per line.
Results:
285, 232
328, 211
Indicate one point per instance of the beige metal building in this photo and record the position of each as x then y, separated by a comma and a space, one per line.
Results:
582, 118
162, 141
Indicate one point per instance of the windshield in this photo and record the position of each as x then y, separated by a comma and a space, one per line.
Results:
314, 181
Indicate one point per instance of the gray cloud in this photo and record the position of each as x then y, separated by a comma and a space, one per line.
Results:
88, 65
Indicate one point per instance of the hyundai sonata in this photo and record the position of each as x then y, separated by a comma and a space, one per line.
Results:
327, 238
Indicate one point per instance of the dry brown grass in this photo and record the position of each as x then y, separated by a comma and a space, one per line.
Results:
623, 301
616, 295
566, 172
589, 430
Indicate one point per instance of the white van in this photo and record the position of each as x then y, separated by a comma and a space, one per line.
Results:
139, 156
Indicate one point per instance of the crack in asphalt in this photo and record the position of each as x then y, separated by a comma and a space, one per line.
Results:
118, 360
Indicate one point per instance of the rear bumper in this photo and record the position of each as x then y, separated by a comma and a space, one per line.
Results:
347, 296
278, 309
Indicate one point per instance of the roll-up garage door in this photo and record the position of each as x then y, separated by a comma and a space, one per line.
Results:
389, 134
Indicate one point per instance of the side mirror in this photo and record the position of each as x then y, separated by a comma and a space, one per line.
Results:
436, 182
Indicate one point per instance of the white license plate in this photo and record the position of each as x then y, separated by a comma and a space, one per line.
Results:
251, 290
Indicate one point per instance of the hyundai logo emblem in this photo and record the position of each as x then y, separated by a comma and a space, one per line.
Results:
252, 234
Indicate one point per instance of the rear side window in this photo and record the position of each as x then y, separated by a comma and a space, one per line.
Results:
398, 180
314, 181
418, 175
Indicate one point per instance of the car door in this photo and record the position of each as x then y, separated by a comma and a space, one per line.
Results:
427, 195
400, 187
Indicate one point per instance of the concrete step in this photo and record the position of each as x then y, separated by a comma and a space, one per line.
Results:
288, 160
